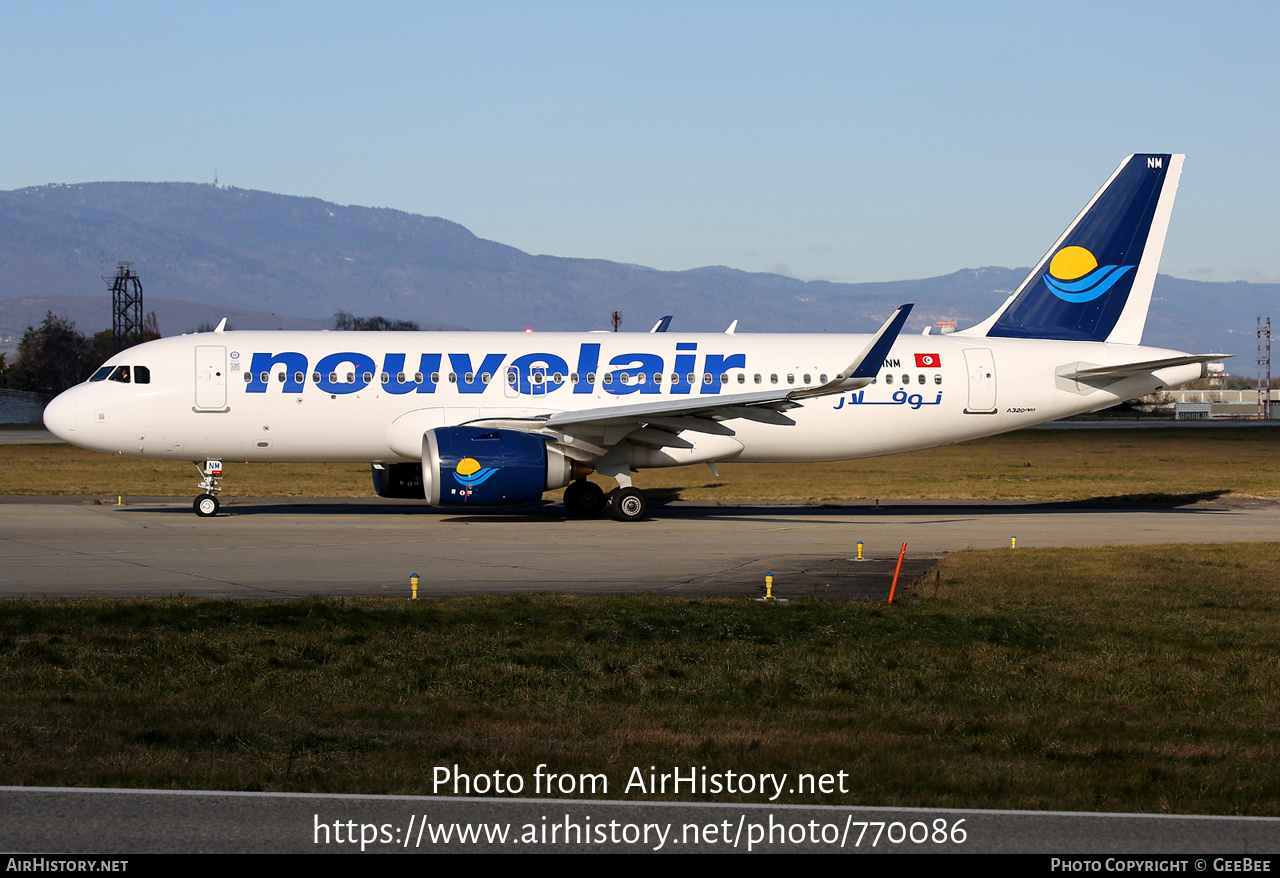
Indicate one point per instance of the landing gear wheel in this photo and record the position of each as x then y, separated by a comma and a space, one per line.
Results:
628, 504
583, 499
206, 505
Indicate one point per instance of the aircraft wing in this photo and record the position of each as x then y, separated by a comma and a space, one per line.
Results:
703, 413
658, 423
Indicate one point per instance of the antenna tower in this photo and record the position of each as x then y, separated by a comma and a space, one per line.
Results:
617, 320
126, 307
1264, 369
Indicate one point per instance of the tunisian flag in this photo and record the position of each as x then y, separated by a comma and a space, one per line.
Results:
928, 361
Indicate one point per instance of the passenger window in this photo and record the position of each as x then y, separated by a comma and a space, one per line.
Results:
675, 377
806, 380
484, 377
724, 377
417, 377
453, 377
608, 377
435, 377
742, 378
367, 377
558, 378
791, 379
298, 377
706, 377
591, 377
773, 379
512, 378
280, 377
921, 379
822, 379
141, 375
690, 378
399, 378
937, 379
315, 377
573, 376
906, 379
265, 377
888, 379
333, 377
470, 378
248, 376
657, 377
759, 378
384, 378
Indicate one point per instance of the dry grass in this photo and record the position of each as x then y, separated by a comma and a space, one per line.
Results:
1028, 465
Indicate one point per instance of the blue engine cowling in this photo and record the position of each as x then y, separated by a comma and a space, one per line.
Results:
475, 466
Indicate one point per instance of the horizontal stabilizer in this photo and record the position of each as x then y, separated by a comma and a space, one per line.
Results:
1129, 370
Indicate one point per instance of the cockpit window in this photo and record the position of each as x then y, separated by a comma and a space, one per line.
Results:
101, 373
120, 374
141, 375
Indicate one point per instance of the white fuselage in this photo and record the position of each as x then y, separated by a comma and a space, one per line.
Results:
206, 397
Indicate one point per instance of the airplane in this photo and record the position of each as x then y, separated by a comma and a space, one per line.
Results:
496, 419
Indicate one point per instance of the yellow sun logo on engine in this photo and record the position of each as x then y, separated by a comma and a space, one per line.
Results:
469, 472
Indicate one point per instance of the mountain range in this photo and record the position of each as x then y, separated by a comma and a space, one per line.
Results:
270, 261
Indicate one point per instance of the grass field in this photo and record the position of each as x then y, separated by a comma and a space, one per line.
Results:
1182, 463
1126, 679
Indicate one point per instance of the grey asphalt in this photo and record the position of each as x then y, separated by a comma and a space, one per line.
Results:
141, 821
76, 547
27, 436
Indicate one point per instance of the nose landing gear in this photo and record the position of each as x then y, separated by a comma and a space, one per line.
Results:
206, 505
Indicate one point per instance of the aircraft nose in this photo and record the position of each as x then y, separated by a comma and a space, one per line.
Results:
60, 416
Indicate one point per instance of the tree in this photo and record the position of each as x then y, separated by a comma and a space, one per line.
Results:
52, 357
344, 321
104, 342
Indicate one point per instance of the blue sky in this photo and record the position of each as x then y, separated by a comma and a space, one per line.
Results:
854, 142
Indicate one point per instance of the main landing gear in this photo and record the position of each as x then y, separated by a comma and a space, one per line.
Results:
583, 499
206, 505
628, 504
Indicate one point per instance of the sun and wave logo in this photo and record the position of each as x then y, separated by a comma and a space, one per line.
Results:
469, 472
1075, 275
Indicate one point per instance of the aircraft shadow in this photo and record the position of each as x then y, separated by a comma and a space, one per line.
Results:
667, 505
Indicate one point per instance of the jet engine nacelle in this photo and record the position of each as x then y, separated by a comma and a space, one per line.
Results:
477, 466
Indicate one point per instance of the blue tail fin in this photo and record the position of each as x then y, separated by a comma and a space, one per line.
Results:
1095, 283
